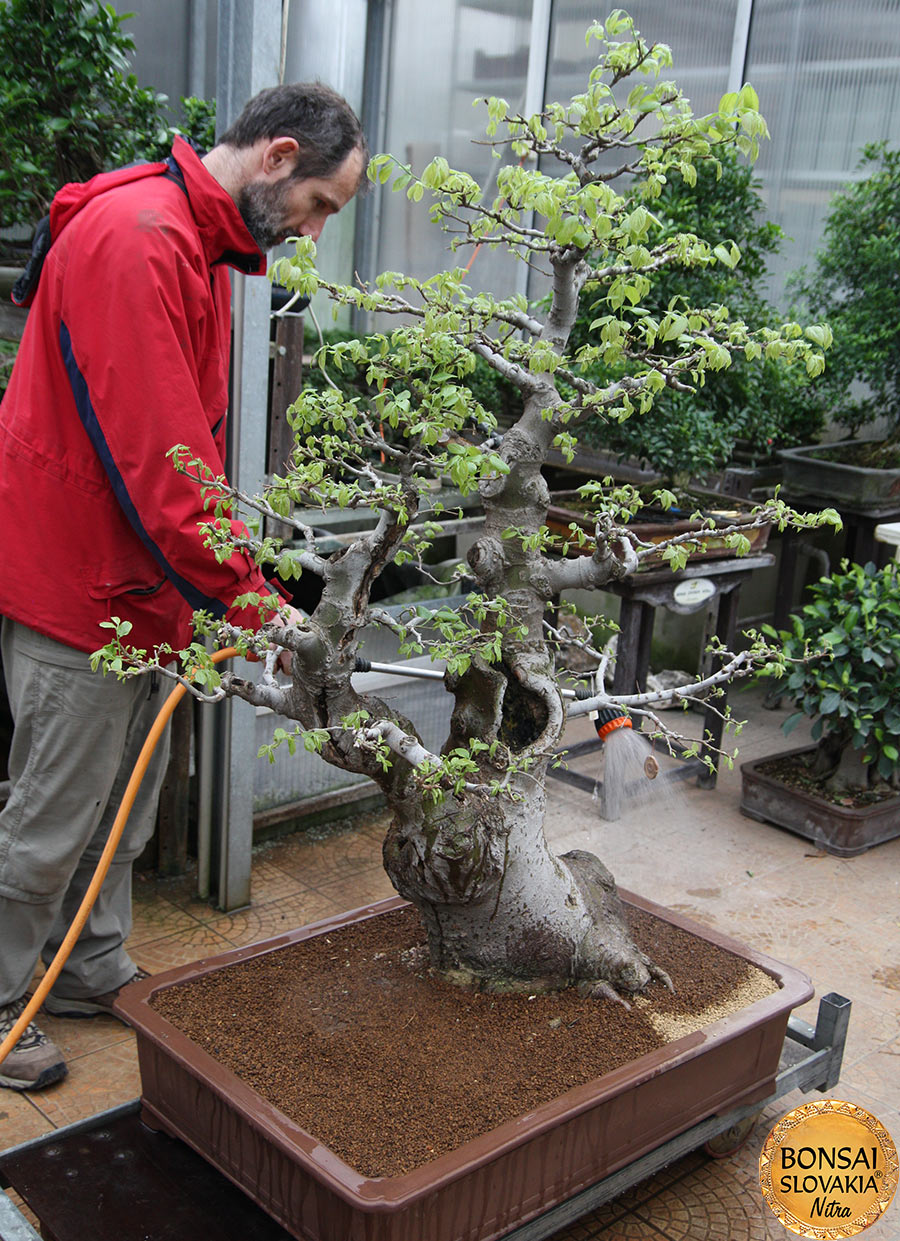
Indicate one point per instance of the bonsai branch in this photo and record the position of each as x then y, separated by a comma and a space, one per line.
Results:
741, 664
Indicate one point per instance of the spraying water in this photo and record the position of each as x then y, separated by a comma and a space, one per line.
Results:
630, 769
629, 773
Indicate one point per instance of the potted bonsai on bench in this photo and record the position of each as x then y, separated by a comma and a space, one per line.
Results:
843, 673
500, 915
853, 287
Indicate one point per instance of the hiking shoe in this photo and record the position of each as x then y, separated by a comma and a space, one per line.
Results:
35, 1061
93, 1006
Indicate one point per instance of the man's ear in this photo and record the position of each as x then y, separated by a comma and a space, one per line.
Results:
279, 157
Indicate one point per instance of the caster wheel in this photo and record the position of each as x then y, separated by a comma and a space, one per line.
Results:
730, 1141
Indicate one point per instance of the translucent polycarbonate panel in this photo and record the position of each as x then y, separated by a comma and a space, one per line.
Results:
699, 34
443, 56
828, 77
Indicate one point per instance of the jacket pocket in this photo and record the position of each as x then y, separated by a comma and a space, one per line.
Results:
125, 579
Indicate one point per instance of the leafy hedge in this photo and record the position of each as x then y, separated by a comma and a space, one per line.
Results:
71, 105
754, 405
855, 286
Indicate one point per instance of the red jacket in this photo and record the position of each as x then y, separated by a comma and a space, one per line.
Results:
125, 354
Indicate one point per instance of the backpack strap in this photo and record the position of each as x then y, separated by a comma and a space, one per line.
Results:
26, 286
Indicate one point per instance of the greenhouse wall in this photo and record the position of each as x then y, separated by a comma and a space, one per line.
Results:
826, 72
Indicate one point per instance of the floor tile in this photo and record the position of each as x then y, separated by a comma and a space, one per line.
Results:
96, 1082
153, 919
248, 926
710, 1206
878, 1075
20, 1119
77, 1036
271, 883
188, 945
627, 1227
327, 861
366, 886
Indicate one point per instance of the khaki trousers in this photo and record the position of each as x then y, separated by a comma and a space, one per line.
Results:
77, 736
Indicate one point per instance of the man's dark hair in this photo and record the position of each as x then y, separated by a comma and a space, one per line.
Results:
324, 125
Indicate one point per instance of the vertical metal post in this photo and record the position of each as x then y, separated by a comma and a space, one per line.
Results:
249, 54
535, 94
831, 1031
738, 68
538, 56
373, 115
197, 84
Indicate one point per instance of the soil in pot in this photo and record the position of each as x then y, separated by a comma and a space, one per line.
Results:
780, 790
350, 1036
795, 771
867, 454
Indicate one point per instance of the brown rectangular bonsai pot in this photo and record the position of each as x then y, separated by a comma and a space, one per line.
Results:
490, 1185
845, 831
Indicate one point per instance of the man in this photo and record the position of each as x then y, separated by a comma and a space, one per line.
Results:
125, 354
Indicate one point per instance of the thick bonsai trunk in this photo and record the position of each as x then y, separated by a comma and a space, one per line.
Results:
840, 766
500, 910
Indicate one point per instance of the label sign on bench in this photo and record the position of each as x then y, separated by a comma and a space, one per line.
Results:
694, 591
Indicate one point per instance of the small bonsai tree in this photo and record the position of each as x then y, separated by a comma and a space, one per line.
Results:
853, 286
467, 845
843, 660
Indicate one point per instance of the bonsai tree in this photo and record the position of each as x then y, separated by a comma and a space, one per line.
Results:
853, 286
843, 672
466, 845
71, 106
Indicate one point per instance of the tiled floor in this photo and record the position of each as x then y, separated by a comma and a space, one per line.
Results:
838, 920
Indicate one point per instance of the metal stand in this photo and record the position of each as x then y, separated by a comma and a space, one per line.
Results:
715, 585
111, 1178
861, 544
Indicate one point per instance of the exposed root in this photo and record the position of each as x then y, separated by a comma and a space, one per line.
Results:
610, 957
602, 991
660, 975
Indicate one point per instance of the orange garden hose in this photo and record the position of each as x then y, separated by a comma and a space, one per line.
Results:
103, 865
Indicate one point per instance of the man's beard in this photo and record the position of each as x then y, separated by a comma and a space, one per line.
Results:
262, 210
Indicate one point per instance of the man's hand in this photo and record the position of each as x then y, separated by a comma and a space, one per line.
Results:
287, 616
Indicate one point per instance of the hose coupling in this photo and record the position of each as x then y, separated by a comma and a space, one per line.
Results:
608, 719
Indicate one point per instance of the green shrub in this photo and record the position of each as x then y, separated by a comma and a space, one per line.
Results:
757, 405
71, 106
198, 122
850, 686
854, 287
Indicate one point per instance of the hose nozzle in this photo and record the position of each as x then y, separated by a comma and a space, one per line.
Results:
608, 720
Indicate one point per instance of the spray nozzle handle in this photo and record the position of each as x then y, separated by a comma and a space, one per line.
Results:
609, 719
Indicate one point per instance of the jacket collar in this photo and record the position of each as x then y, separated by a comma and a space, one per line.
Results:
223, 233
